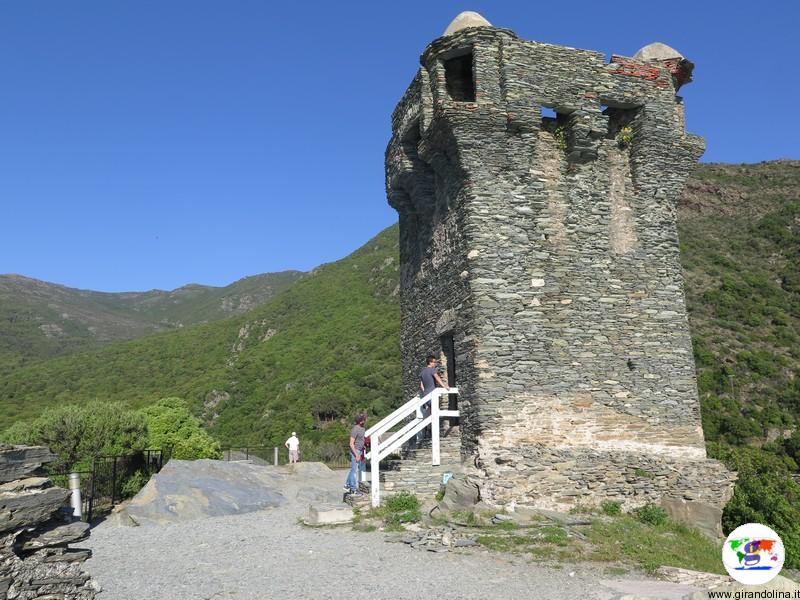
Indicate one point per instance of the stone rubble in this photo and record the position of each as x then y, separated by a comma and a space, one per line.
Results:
36, 529
435, 539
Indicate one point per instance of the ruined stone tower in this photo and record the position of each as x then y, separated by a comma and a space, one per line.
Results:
537, 187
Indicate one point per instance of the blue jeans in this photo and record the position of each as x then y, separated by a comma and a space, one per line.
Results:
355, 468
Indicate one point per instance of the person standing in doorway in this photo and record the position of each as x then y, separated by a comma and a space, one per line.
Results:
293, 444
429, 379
356, 455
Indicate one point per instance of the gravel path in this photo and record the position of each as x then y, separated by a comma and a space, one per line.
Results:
266, 554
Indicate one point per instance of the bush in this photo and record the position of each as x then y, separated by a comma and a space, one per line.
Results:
402, 502
78, 433
651, 514
131, 486
401, 508
171, 425
610, 508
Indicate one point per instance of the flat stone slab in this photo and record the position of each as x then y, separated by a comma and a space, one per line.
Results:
329, 514
55, 535
30, 507
17, 462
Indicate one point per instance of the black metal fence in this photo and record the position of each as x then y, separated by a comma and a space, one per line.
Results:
279, 455
113, 478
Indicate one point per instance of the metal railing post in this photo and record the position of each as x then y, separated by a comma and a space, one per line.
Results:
435, 456
75, 499
276, 456
114, 483
93, 491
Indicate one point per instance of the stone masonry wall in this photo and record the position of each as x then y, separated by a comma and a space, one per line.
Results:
548, 247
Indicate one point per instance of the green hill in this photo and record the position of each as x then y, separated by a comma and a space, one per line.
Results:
42, 320
740, 241
324, 347
328, 345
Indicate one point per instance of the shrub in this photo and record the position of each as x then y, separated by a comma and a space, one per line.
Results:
651, 514
401, 502
401, 508
131, 486
610, 507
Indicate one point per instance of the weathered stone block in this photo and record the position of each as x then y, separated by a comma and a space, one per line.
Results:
328, 514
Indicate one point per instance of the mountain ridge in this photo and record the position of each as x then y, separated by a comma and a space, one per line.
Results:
39, 319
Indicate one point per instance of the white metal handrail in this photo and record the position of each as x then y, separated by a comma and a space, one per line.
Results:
381, 449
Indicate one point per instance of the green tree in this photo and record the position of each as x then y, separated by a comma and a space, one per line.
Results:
78, 433
170, 424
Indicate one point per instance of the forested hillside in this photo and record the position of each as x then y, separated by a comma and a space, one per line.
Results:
740, 242
323, 348
41, 320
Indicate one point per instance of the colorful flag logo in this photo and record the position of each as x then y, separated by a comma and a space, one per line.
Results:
753, 554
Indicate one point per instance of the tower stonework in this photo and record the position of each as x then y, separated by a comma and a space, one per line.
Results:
536, 187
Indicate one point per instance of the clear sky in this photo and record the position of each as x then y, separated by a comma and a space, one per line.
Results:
153, 143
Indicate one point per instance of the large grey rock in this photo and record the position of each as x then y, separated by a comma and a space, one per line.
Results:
56, 534
459, 494
17, 462
703, 517
187, 490
30, 507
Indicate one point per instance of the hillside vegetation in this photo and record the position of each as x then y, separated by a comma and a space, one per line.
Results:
322, 349
42, 320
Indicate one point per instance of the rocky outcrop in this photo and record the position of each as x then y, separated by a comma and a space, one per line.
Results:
186, 490
35, 531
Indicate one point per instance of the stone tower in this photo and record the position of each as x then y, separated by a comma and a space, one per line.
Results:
536, 187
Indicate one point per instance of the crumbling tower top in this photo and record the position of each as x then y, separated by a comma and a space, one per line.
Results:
466, 19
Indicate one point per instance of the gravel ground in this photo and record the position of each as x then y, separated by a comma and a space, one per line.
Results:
266, 554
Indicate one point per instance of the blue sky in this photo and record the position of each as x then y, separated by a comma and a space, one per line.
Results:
153, 143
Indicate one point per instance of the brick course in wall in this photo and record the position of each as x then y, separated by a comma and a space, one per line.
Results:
547, 248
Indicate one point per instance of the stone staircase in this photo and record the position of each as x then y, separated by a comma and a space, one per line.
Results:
415, 473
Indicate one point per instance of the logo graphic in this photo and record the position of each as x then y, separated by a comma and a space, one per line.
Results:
753, 554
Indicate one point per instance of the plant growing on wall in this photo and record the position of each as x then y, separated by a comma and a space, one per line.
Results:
560, 135
624, 136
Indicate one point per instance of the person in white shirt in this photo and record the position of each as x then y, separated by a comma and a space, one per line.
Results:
293, 444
